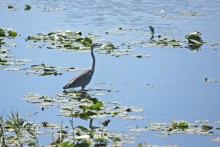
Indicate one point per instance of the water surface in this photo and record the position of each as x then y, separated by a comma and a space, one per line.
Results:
169, 85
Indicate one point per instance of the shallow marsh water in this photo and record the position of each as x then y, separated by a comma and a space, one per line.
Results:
169, 85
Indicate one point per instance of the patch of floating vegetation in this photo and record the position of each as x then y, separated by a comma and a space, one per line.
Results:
74, 41
165, 42
63, 40
193, 40
164, 14
11, 8
68, 40
180, 127
155, 40
27, 7
44, 70
7, 32
81, 105
16, 131
190, 13
7, 60
9, 63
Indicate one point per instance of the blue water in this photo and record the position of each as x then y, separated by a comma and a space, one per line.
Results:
169, 85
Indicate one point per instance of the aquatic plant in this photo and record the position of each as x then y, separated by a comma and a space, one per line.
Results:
16, 131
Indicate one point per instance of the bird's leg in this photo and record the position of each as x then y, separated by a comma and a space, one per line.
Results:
90, 123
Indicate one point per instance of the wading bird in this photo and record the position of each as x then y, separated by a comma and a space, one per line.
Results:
85, 77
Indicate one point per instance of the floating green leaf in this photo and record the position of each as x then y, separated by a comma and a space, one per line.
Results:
33, 38
2, 60
74, 35
194, 39
108, 46
87, 41
10, 7
96, 106
12, 34
27, 7
2, 33
182, 125
206, 127
165, 42
66, 144
116, 139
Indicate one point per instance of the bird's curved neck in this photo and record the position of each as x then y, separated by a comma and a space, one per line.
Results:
93, 59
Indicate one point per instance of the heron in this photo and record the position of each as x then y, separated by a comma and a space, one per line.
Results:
83, 79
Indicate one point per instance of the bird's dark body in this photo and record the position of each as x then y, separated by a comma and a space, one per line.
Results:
85, 77
80, 80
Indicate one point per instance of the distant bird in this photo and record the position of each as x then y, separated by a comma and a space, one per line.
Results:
85, 77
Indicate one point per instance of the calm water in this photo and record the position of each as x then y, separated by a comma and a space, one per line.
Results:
169, 85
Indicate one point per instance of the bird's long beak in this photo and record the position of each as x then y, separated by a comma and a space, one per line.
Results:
98, 44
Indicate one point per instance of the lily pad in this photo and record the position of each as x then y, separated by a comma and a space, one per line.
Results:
12, 34
177, 127
10, 7
180, 125
194, 39
108, 46
85, 41
43, 70
63, 39
2, 33
27, 7
3, 62
8, 32
163, 42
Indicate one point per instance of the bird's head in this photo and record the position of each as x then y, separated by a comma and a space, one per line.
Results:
94, 45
